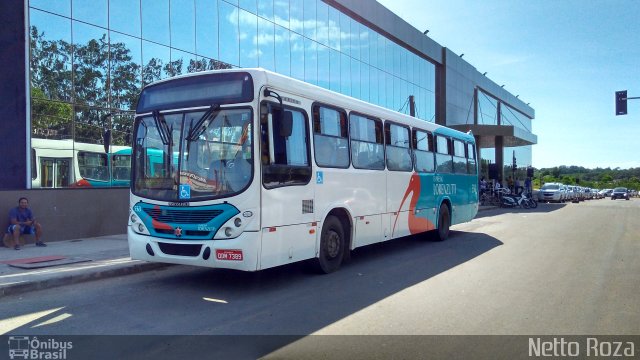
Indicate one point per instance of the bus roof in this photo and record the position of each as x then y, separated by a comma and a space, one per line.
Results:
322, 95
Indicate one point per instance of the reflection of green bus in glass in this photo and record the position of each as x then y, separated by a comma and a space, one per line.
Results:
65, 163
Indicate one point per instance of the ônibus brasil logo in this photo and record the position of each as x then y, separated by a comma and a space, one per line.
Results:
25, 347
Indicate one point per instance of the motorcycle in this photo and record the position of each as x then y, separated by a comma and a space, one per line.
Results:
512, 200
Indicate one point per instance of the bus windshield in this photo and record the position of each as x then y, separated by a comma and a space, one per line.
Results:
175, 161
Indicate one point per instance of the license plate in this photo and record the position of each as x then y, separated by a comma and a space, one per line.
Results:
229, 255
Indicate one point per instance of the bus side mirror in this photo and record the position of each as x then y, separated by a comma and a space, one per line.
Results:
286, 124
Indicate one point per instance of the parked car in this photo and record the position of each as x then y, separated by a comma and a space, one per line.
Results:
606, 192
620, 193
551, 192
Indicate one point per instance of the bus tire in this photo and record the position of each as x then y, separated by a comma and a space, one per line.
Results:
444, 222
332, 245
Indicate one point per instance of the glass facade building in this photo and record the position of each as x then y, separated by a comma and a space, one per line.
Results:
84, 62
90, 58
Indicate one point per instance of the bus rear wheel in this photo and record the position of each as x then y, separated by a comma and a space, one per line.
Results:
444, 222
332, 244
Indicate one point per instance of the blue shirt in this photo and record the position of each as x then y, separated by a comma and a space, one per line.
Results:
20, 215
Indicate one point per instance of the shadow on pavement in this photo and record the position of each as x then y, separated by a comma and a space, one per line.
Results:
292, 303
542, 208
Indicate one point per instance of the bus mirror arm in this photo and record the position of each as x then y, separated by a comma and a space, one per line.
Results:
285, 119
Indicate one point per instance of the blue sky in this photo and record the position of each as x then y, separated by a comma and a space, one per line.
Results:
564, 57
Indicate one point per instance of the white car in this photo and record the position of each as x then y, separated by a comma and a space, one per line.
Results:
551, 192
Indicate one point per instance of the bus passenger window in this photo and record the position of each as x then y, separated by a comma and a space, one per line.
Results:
459, 157
444, 160
367, 149
471, 159
330, 139
423, 150
398, 152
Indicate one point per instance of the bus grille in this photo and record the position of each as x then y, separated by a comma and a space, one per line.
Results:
182, 216
184, 232
180, 249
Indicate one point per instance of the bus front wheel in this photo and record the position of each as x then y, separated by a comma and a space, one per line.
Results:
332, 244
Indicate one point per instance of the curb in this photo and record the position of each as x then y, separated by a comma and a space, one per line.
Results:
121, 270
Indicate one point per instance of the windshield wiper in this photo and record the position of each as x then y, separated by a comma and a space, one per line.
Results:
201, 125
163, 130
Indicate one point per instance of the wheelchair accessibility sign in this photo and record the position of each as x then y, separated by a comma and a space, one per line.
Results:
185, 192
319, 177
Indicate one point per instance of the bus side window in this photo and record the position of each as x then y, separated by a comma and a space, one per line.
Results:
444, 159
471, 159
330, 137
423, 150
459, 157
398, 147
367, 142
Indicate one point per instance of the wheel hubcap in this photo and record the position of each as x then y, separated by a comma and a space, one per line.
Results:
333, 244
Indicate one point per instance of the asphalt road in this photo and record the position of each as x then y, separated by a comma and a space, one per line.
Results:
557, 269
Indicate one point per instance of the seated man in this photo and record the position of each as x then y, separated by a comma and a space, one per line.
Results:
21, 221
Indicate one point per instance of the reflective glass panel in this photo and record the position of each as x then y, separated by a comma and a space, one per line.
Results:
125, 70
183, 25
364, 44
207, 28
322, 19
310, 21
265, 9
296, 16
52, 160
124, 16
248, 39
249, 5
155, 62
89, 125
333, 27
61, 7
281, 12
91, 11
50, 49
345, 74
324, 74
297, 56
355, 79
345, 33
364, 82
310, 61
266, 45
229, 34
155, 21
355, 39
282, 51
372, 41
90, 64
334, 68
182, 63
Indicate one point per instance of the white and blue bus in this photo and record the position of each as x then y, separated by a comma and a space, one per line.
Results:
247, 169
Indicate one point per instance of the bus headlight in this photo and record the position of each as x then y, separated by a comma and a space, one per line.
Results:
228, 232
133, 218
237, 222
141, 228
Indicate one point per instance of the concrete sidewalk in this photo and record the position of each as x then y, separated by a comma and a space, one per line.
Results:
69, 262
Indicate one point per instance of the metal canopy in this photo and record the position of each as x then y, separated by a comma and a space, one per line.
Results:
512, 136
